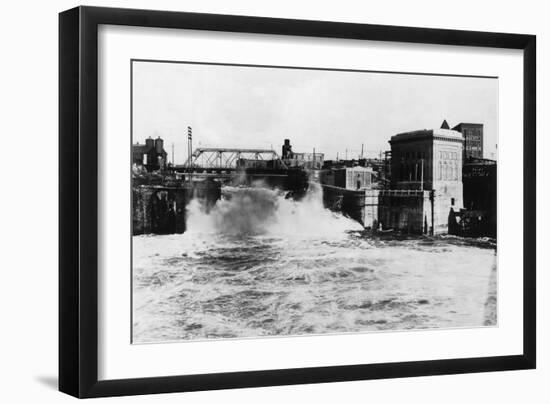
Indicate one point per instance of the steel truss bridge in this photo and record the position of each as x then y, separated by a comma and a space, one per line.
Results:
223, 159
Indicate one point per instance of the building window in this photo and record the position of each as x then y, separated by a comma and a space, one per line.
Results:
439, 174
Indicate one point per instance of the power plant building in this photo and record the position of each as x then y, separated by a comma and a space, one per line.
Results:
424, 194
427, 161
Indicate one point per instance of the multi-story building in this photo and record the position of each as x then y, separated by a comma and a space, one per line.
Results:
473, 140
426, 182
480, 198
423, 191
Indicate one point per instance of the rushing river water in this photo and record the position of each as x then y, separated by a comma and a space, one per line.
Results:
262, 265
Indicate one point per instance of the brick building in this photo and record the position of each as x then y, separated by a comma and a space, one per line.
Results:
473, 140
480, 197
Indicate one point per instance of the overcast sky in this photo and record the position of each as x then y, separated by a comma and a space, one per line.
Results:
331, 111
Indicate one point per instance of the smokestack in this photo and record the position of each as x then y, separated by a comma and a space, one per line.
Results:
287, 149
159, 145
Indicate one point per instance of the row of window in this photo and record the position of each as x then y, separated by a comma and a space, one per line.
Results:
444, 155
472, 132
415, 155
447, 171
411, 172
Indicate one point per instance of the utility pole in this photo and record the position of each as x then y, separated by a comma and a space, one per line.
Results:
421, 174
362, 145
189, 151
173, 163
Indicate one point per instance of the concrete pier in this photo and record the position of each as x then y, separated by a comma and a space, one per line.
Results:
348, 201
408, 211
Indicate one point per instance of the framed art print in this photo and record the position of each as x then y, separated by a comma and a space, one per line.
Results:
251, 201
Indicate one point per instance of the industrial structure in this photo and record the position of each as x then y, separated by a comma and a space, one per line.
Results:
150, 155
357, 177
428, 161
161, 192
429, 183
310, 161
424, 192
433, 181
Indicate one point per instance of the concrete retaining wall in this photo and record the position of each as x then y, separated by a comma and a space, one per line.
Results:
410, 211
161, 209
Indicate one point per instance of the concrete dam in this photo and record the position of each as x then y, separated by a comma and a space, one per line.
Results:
160, 201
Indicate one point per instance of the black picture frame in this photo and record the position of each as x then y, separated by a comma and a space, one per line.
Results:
78, 205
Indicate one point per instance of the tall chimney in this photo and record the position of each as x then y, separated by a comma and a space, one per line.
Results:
287, 149
159, 145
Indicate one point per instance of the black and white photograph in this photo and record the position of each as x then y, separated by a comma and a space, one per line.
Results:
275, 202
270, 201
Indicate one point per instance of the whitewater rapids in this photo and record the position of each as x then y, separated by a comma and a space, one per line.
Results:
259, 264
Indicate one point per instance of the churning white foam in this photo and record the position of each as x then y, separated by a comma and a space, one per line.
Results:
262, 211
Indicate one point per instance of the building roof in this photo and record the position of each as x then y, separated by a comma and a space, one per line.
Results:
360, 169
476, 161
445, 125
143, 148
140, 148
457, 127
427, 133
448, 133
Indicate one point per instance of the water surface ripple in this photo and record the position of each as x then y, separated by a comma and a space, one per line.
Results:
294, 268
